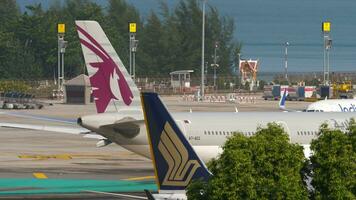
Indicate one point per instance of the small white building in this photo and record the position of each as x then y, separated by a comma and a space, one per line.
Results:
180, 80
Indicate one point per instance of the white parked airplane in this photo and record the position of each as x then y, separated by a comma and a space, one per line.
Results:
333, 105
120, 117
327, 105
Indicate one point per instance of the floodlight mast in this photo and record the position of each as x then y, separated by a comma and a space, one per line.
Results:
326, 28
202, 53
62, 45
133, 49
215, 65
286, 61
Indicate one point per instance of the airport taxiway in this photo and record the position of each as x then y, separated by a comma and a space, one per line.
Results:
40, 164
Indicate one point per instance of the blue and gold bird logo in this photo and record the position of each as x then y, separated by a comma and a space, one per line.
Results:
180, 168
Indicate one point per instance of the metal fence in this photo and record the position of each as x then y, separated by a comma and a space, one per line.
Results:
162, 85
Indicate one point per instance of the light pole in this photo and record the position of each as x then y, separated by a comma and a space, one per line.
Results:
328, 42
326, 28
286, 60
133, 48
62, 44
206, 74
215, 65
239, 71
202, 52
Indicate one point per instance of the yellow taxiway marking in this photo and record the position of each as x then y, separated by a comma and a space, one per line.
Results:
65, 156
45, 157
40, 175
139, 178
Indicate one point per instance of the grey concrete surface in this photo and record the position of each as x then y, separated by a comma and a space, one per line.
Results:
24, 152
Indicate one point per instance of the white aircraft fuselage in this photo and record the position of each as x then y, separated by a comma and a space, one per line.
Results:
333, 105
208, 131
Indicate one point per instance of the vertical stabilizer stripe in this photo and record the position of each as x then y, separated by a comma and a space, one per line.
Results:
150, 143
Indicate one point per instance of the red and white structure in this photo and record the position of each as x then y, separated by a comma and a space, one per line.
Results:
248, 71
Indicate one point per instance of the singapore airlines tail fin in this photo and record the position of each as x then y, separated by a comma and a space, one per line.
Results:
175, 161
112, 86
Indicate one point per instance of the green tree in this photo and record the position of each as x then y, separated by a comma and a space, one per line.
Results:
77, 10
119, 15
172, 41
264, 166
9, 45
9, 13
151, 48
313, 82
168, 40
262, 85
34, 38
334, 163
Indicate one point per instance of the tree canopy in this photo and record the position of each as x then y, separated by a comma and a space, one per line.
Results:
334, 163
169, 38
264, 166
268, 166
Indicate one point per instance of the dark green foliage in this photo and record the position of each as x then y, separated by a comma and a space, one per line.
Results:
168, 41
29, 46
264, 166
9, 13
18, 86
262, 84
334, 164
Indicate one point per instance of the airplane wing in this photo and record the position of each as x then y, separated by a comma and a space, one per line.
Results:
58, 129
42, 118
53, 129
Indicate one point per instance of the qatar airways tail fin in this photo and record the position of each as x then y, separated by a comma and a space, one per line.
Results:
175, 161
112, 86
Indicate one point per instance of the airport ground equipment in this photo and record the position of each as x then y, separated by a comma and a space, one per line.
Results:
19, 100
343, 90
295, 93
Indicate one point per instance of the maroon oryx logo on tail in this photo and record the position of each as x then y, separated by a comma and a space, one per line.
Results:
108, 74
